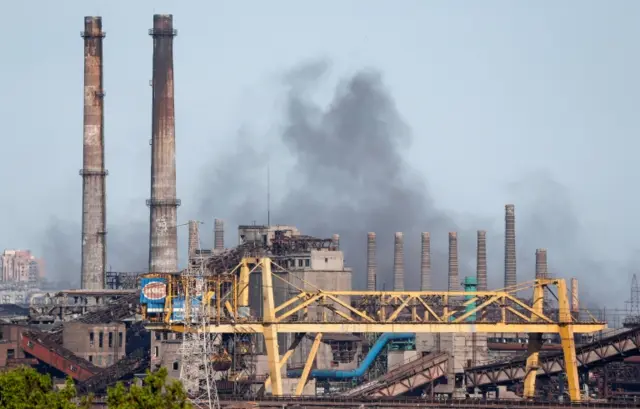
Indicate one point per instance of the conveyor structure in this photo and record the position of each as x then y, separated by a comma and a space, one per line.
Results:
166, 305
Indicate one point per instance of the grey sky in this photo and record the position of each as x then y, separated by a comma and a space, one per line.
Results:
494, 92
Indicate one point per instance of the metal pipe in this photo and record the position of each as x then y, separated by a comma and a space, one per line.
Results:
163, 205
481, 260
94, 218
194, 238
218, 234
425, 263
510, 278
454, 280
541, 264
398, 263
371, 261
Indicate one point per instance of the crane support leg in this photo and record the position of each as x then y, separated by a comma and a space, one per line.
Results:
533, 353
568, 343
535, 343
308, 364
270, 330
570, 362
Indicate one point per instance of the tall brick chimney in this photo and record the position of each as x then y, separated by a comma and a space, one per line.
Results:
510, 278
371, 261
163, 205
93, 172
398, 263
454, 279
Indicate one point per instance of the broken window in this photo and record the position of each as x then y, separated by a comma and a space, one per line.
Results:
100, 339
110, 339
11, 353
120, 339
91, 336
175, 366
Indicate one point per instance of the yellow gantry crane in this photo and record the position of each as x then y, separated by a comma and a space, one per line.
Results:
166, 306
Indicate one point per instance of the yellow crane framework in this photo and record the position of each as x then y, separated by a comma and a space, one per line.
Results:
167, 306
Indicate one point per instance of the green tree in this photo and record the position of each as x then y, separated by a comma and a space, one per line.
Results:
155, 393
25, 388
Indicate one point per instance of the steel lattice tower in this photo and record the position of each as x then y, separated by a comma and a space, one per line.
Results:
196, 370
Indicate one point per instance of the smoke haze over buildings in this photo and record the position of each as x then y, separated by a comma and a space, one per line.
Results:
349, 176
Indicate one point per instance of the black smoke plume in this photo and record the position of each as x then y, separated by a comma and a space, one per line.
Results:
349, 176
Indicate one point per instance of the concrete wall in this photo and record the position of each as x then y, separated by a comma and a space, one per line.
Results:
165, 352
101, 344
465, 349
397, 358
10, 343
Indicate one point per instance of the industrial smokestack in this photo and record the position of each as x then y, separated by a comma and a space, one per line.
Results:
336, 241
454, 280
575, 304
194, 238
425, 263
541, 264
371, 261
218, 234
510, 278
481, 260
398, 263
163, 205
94, 218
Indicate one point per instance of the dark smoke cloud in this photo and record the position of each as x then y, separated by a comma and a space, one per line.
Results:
349, 176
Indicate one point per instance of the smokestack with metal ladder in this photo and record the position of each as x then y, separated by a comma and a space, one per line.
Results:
541, 264
425, 263
510, 278
575, 303
371, 261
163, 204
481, 261
194, 239
218, 235
454, 279
398, 262
93, 172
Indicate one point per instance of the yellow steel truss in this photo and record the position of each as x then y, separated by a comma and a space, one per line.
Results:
377, 312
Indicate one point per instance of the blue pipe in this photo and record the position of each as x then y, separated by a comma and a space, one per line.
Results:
366, 363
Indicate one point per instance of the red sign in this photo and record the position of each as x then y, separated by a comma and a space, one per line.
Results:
155, 290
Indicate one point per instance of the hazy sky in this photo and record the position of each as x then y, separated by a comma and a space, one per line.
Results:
528, 102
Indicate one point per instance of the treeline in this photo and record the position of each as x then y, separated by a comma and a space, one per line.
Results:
25, 388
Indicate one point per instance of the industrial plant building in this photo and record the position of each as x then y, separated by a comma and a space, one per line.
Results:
276, 316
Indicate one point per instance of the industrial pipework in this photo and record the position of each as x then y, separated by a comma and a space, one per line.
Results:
93, 173
163, 204
373, 353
